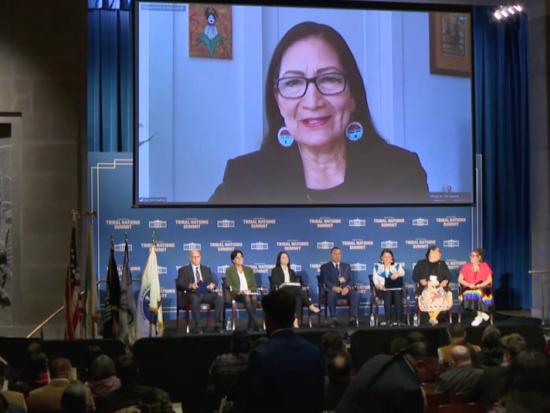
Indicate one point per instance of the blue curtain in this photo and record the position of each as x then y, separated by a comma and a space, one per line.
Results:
110, 75
502, 137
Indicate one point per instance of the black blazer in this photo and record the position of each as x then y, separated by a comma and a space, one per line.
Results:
286, 374
278, 276
422, 268
186, 277
377, 172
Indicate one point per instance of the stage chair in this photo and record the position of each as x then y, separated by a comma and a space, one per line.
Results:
323, 300
462, 408
376, 300
183, 304
487, 290
306, 289
417, 291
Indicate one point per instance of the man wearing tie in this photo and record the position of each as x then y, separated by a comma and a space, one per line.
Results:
199, 283
337, 277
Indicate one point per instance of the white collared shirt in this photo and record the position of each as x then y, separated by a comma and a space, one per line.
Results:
242, 281
287, 274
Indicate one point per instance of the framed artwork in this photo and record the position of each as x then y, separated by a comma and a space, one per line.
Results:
211, 31
451, 44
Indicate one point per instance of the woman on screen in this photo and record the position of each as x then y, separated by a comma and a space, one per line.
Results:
387, 276
321, 145
282, 276
432, 277
474, 277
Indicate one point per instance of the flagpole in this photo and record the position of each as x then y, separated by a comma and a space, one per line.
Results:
154, 241
91, 214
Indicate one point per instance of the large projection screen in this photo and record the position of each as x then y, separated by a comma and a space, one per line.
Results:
276, 105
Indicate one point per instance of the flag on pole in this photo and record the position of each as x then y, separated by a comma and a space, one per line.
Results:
149, 311
91, 299
127, 302
72, 293
111, 320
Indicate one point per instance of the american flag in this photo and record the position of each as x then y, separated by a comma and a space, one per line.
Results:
72, 293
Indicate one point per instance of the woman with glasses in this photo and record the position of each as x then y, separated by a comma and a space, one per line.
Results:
388, 278
321, 144
474, 277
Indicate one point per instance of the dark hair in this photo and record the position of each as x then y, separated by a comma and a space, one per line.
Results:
278, 262
430, 249
456, 330
279, 306
240, 342
347, 60
398, 344
334, 249
530, 370
60, 367
332, 342
490, 338
74, 398
481, 253
387, 250
513, 344
127, 370
102, 367
234, 254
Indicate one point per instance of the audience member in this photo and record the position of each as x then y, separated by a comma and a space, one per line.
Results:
15, 400
77, 398
35, 370
398, 344
492, 384
332, 343
286, 373
491, 353
48, 397
4, 407
338, 379
131, 393
528, 384
457, 336
387, 384
227, 367
461, 377
103, 379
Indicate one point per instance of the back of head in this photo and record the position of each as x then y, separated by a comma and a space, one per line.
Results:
278, 308
529, 371
60, 368
127, 370
513, 344
460, 356
490, 338
75, 398
339, 367
416, 337
240, 342
398, 344
456, 332
332, 342
102, 367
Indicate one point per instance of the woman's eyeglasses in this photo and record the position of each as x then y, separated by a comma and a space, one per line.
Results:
295, 87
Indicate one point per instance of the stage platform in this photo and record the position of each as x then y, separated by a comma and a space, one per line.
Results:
179, 362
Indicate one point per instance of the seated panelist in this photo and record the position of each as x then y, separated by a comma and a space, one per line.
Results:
200, 283
241, 282
282, 274
337, 276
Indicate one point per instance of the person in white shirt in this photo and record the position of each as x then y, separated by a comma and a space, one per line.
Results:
387, 276
281, 275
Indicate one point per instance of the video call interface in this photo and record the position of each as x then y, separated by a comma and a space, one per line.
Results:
253, 105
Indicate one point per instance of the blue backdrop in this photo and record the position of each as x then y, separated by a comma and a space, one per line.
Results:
306, 233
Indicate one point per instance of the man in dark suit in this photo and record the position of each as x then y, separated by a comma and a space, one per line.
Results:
286, 374
461, 377
337, 277
199, 283
387, 384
